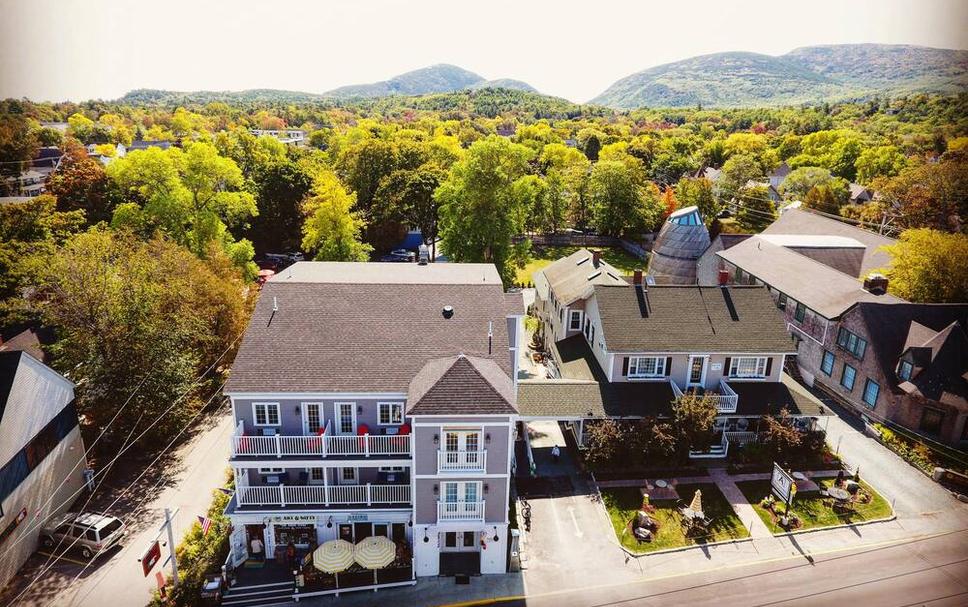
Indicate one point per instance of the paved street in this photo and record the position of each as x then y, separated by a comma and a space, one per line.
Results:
188, 479
930, 571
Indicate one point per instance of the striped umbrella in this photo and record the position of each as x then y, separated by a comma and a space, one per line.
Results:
333, 556
375, 552
696, 505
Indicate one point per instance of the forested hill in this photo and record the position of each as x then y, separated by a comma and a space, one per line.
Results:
440, 78
808, 74
251, 96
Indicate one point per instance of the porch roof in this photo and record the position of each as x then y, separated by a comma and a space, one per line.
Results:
572, 399
769, 398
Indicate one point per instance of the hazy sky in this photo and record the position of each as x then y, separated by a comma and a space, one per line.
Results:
80, 49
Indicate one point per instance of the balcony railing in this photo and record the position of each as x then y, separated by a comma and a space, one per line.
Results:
726, 401
365, 445
460, 511
461, 461
333, 495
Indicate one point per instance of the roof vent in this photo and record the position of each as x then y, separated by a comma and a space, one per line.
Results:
448, 311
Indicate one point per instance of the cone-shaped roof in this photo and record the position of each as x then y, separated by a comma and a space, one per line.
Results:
680, 243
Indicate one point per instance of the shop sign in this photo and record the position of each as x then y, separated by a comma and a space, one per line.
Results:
8, 530
151, 556
293, 518
358, 518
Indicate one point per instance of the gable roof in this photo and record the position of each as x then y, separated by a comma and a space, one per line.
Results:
892, 329
691, 319
461, 385
575, 276
800, 221
816, 285
31, 394
355, 334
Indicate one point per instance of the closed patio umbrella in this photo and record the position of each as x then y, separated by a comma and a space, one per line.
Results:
333, 556
375, 552
696, 505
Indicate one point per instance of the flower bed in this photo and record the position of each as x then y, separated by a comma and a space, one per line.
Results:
621, 504
812, 509
918, 453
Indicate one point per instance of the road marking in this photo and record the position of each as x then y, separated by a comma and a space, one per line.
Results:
912, 539
578, 531
61, 558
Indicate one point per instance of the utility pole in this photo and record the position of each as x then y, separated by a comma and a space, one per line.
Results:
171, 545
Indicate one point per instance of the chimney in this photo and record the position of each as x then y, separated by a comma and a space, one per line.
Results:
723, 278
637, 278
596, 257
876, 284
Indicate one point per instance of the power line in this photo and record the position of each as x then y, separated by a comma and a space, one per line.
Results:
126, 489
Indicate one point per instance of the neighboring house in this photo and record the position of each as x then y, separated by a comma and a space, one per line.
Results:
771, 190
29, 183
904, 363
642, 346
378, 399
778, 175
677, 248
821, 273
860, 195
563, 287
119, 152
144, 145
708, 264
42, 458
287, 136
710, 173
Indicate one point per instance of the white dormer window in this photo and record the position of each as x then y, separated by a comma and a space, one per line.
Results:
647, 366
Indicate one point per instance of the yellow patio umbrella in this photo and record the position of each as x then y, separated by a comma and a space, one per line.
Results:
696, 505
333, 556
375, 552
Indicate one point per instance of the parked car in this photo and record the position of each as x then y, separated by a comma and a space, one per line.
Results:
92, 534
279, 261
400, 256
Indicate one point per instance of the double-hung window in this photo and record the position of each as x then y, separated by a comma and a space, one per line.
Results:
266, 414
748, 366
314, 418
647, 366
871, 390
800, 312
390, 414
904, 370
827, 364
848, 377
574, 320
781, 301
851, 343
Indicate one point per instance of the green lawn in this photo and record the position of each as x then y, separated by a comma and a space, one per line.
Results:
811, 509
542, 256
622, 504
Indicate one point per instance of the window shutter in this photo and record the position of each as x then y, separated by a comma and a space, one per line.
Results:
726, 367
769, 365
668, 366
625, 366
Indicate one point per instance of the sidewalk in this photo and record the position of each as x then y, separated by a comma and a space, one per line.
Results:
742, 508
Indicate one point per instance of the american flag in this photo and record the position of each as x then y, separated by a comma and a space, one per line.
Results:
206, 524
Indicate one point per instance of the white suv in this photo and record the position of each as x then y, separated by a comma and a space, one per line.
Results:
92, 534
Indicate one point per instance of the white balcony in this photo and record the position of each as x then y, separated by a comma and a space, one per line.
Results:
460, 511
324, 445
462, 461
322, 495
726, 400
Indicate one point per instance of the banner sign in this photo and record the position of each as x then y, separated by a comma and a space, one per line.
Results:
782, 483
151, 556
9, 529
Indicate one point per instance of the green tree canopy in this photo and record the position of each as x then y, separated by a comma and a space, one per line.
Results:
332, 230
928, 266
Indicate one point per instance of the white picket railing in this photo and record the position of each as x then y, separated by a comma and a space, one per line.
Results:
726, 402
460, 511
742, 438
461, 461
365, 445
283, 495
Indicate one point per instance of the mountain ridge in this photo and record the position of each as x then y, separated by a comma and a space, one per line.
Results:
806, 74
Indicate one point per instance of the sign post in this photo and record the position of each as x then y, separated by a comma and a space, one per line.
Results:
783, 485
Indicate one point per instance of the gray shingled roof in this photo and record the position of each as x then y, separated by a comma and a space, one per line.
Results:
799, 221
573, 277
344, 337
677, 248
818, 286
461, 385
691, 319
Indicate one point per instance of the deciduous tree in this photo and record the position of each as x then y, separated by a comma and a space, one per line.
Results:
332, 230
929, 266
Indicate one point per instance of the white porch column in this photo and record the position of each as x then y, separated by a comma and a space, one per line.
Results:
581, 431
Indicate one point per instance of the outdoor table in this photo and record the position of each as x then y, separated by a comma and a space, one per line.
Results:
800, 476
661, 483
839, 494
